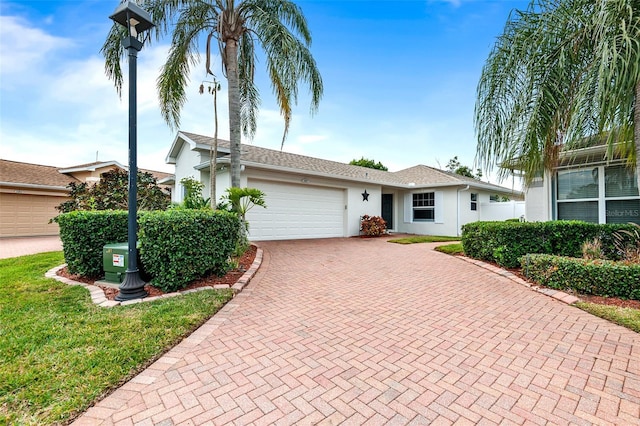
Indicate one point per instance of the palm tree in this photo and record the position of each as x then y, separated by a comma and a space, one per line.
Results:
277, 26
562, 71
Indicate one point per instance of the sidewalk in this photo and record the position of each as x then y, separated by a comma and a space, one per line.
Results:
13, 247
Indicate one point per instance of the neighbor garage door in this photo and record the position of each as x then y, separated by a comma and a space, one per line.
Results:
296, 212
23, 215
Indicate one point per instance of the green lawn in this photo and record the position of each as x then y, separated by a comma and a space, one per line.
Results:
626, 317
59, 352
451, 249
423, 239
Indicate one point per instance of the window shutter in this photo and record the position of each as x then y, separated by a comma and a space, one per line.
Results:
439, 207
408, 207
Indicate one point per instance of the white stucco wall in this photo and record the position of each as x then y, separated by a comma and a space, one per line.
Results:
357, 207
446, 218
455, 211
185, 161
538, 200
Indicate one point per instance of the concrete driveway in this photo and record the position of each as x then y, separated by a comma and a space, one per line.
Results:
361, 331
13, 247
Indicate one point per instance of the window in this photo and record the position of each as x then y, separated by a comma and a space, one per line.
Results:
423, 207
620, 181
578, 184
598, 194
474, 202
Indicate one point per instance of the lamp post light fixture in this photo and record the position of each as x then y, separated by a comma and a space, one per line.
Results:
137, 21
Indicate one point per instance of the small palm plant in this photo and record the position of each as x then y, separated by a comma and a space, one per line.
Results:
627, 243
240, 201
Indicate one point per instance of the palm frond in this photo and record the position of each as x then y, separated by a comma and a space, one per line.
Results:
183, 54
561, 71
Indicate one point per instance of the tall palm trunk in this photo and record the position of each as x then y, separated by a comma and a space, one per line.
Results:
214, 154
636, 131
231, 56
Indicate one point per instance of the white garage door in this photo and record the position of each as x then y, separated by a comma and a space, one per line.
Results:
296, 212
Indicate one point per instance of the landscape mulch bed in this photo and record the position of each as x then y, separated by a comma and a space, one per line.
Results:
598, 300
229, 279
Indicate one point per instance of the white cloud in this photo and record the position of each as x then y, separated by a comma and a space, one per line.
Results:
454, 3
69, 110
309, 139
25, 49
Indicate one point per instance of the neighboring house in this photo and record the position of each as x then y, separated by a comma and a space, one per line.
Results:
585, 186
314, 198
29, 193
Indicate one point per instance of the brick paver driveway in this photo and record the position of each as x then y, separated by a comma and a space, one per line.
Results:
361, 331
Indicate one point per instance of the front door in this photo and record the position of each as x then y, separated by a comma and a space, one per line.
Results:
387, 209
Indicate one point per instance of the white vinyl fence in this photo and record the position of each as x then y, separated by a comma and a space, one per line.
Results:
502, 211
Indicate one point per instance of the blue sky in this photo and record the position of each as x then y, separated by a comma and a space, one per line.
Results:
400, 80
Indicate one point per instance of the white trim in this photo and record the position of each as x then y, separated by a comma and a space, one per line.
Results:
92, 167
33, 186
438, 199
408, 207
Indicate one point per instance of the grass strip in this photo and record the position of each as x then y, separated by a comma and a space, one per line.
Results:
416, 239
455, 249
59, 352
626, 317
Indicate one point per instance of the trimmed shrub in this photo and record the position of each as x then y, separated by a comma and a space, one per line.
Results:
372, 226
84, 234
505, 242
597, 277
178, 246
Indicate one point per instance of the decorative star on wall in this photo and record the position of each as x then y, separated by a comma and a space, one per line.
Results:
365, 196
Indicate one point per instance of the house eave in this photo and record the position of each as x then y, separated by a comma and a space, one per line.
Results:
33, 186
92, 168
404, 186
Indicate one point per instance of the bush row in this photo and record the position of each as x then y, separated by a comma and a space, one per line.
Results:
505, 242
598, 277
176, 246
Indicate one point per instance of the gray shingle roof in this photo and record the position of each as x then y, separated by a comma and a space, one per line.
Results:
419, 175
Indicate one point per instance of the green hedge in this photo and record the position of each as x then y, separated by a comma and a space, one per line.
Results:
505, 242
178, 246
598, 277
84, 234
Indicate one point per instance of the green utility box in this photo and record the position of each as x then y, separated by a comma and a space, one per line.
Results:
114, 261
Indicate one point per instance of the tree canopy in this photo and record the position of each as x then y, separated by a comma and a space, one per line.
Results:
111, 192
454, 166
371, 164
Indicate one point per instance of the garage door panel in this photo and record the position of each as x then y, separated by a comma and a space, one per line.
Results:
296, 211
28, 215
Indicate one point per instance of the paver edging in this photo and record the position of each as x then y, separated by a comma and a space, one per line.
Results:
567, 298
99, 298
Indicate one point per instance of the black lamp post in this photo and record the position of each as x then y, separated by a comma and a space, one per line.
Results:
137, 21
